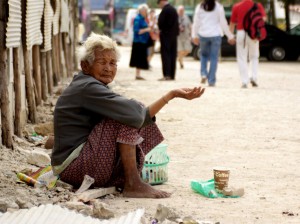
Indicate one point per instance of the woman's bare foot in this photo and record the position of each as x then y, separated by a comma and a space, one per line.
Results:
140, 189
134, 186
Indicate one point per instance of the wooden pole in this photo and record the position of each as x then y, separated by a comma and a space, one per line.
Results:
37, 72
55, 59
66, 54
29, 86
4, 97
73, 35
44, 76
28, 77
59, 57
17, 90
53, 64
49, 72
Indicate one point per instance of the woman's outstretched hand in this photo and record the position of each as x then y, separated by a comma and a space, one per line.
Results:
185, 93
188, 93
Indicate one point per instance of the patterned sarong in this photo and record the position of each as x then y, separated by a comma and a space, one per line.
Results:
100, 157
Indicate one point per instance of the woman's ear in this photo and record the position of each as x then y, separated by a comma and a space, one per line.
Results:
85, 67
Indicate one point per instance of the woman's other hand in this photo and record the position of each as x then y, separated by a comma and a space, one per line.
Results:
232, 41
196, 41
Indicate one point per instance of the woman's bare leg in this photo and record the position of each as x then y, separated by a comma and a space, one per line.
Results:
181, 55
134, 186
138, 74
180, 59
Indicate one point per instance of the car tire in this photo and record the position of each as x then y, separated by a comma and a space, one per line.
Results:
277, 53
196, 53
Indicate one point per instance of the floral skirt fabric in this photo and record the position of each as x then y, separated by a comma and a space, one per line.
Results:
100, 157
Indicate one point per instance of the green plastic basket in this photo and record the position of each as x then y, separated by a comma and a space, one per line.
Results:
155, 167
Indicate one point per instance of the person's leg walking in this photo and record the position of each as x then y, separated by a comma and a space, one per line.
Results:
214, 54
242, 56
180, 52
180, 58
204, 54
173, 56
254, 60
166, 60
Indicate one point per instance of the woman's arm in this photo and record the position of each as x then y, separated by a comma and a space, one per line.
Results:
139, 27
144, 30
185, 93
224, 23
196, 22
195, 26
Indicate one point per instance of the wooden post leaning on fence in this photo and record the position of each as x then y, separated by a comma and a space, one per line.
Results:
28, 77
29, 85
17, 89
44, 75
61, 57
66, 49
55, 61
74, 17
37, 73
6, 129
49, 72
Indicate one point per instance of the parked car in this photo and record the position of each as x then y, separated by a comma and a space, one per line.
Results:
278, 45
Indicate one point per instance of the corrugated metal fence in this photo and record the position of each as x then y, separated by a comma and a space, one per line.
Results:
37, 52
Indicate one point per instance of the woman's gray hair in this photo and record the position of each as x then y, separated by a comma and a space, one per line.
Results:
103, 42
143, 7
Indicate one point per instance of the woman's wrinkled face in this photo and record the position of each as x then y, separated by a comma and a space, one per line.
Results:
104, 66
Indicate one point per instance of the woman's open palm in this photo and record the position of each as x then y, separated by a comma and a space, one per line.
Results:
188, 93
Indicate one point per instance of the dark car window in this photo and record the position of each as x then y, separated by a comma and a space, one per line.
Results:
295, 30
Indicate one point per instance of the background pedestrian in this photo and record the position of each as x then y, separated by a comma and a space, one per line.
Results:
208, 26
169, 30
139, 51
184, 45
154, 33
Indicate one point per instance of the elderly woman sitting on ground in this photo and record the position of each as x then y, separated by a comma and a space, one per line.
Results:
101, 133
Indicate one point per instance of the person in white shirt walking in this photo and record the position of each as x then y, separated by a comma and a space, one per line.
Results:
208, 27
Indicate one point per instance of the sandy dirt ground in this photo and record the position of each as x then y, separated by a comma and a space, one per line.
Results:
253, 131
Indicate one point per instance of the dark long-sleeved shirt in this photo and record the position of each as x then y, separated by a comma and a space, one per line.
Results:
84, 103
168, 21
